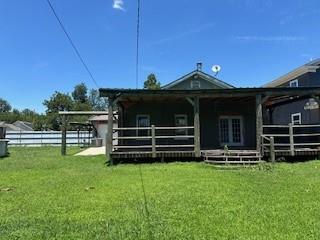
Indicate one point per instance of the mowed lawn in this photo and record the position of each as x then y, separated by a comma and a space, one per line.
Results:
46, 196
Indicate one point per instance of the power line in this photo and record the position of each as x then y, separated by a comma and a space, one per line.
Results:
72, 44
137, 47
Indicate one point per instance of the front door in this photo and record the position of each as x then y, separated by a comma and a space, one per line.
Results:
230, 129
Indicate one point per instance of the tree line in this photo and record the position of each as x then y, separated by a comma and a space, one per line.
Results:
80, 99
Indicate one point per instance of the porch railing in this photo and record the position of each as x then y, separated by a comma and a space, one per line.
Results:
290, 138
153, 139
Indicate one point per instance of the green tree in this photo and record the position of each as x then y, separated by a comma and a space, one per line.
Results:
79, 93
57, 102
4, 106
151, 82
97, 103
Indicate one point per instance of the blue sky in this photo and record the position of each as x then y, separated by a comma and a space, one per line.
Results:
253, 40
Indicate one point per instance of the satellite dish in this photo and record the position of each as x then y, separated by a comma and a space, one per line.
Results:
216, 69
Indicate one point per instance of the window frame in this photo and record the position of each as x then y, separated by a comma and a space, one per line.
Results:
299, 121
230, 131
193, 81
175, 124
137, 125
295, 81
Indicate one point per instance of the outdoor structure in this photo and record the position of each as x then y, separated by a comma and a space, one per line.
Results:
298, 109
65, 124
100, 124
195, 116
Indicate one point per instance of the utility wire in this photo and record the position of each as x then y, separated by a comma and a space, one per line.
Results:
72, 44
137, 46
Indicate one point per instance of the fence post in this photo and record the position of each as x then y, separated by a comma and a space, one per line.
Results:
64, 135
272, 150
196, 124
109, 142
291, 138
153, 135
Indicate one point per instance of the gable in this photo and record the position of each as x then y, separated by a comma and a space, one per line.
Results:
197, 80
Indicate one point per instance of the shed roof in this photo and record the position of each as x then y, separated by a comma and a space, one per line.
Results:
202, 93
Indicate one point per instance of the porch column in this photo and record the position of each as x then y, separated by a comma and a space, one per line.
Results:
259, 121
110, 132
64, 135
196, 127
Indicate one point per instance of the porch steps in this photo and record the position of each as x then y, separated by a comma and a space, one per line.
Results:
231, 156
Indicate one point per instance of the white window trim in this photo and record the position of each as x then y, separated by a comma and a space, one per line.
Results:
186, 117
230, 143
195, 80
294, 115
137, 121
296, 81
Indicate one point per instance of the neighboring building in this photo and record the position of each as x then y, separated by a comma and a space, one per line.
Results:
100, 124
299, 109
23, 126
17, 126
9, 126
190, 116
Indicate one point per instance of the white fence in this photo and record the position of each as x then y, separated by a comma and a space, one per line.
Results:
39, 138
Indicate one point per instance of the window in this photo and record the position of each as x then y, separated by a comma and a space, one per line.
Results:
195, 84
294, 83
143, 121
296, 118
181, 120
231, 130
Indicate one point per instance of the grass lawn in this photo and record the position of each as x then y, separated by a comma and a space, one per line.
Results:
70, 197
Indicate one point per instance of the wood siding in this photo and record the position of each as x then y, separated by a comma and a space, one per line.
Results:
162, 113
204, 84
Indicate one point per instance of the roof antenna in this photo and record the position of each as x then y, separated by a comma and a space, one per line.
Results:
216, 69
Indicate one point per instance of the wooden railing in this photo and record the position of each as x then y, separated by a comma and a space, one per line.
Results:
289, 138
153, 139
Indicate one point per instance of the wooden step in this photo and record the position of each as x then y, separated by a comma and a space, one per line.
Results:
233, 162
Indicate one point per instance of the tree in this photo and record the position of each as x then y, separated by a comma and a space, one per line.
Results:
97, 103
57, 102
151, 82
79, 93
4, 106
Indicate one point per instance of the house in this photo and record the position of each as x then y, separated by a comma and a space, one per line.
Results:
194, 116
299, 109
9, 126
23, 126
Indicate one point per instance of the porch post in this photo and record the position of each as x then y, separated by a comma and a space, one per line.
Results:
259, 121
64, 135
196, 127
110, 131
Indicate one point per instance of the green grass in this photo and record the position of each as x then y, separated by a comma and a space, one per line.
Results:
70, 197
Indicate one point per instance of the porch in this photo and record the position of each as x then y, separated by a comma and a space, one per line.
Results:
214, 119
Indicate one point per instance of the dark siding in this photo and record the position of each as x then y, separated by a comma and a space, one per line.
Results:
162, 114
204, 84
306, 80
209, 117
282, 114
